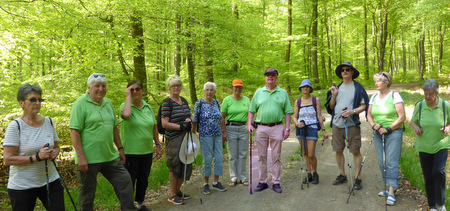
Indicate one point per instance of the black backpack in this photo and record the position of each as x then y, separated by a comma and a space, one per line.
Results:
162, 130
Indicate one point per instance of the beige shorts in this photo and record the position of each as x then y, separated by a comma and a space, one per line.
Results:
354, 137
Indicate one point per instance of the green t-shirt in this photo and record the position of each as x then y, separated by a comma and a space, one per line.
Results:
95, 123
270, 107
136, 133
432, 139
236, 110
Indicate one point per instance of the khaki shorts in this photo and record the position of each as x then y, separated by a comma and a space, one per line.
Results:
354, 137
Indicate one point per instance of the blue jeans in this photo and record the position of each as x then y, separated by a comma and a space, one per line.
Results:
208, 146
237, 151
393, 146
433, 170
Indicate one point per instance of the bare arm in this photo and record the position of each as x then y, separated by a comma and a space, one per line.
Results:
76, 141
249, 122
287, 126
320, 118
126, 111
118, 144
222, 124
158, 144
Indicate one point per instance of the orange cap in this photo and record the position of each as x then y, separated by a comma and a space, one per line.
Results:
237, 82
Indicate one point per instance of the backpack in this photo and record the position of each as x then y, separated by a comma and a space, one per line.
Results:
443, 110
162, 130
299, 103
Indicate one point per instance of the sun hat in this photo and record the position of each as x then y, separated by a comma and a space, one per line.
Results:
189, 148
270, 70
305, 82
237, 82
339, 73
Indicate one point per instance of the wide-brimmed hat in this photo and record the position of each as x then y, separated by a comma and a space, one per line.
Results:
237, 82
339, 73
305, 82
270, 70
189, 148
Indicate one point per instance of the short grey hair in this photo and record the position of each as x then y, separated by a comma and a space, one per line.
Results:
96, 77
27, 88
431, 84
173, 80
210, 84
383, 76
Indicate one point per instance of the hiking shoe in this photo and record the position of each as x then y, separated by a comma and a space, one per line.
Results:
183, 195
261, 186
358, 185
310, 178
175, 200
143, 208
390, 200
315, 178
340, 180
206, 190
277, 188
219, 187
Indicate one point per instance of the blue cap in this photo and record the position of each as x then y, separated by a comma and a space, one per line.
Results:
306, 82
270, 70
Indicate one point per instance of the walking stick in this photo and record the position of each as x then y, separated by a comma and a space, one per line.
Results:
250, 186
64, 184
349, 163
46, 175
302, 154
362, 164
384, 168
185, 163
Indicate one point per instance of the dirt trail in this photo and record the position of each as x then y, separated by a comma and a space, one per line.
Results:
323, 196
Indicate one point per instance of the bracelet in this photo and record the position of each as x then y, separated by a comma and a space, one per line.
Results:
373, 127
323, 130
119, 148
37, 156
389, 130
31, 158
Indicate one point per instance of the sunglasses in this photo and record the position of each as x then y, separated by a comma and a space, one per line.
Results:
137, 89
95, 75
383, 74
34, 100
346, 70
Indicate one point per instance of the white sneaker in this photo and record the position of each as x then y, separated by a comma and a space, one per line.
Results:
433, 209
441, 208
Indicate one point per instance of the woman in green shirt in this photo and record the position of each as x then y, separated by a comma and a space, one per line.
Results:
386, 116
235, 111
430, 121
138, 131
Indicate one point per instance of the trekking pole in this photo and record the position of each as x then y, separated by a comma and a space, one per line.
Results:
349, 163
362, 164
250, 187
64, 184
185, 163
302, 155
46, 175
198, 181
384, 168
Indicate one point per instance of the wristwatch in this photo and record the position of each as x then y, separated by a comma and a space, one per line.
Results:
287, 129
354, 112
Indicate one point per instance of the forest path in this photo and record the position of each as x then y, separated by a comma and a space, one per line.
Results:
323, 196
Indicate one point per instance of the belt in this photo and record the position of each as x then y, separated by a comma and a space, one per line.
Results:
270, 124
235, 123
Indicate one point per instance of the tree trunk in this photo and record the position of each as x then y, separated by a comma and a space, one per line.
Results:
207, 52
315, 68
235, 66
177, 49
366, 54
137, 33
403, 54
287, 57
442, 30
383, 21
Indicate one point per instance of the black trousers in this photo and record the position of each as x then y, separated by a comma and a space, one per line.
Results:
25, 200
433, 170
139, 168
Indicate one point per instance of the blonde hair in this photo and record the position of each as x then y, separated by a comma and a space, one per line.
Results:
383, 76
173, 80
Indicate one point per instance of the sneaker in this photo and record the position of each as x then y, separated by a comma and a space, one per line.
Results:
310, 178
340, 180
358, 185
175, 200
390, 200
183, 195
277, 188
441, 208
433, 209
261, 186
206, 190
219, 187
143, 208
315, 178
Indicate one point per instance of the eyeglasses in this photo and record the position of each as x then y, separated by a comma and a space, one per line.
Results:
34, 100
95, 75
346, 70
382, 81
176, 86
137, 89
210, 90
271, 75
